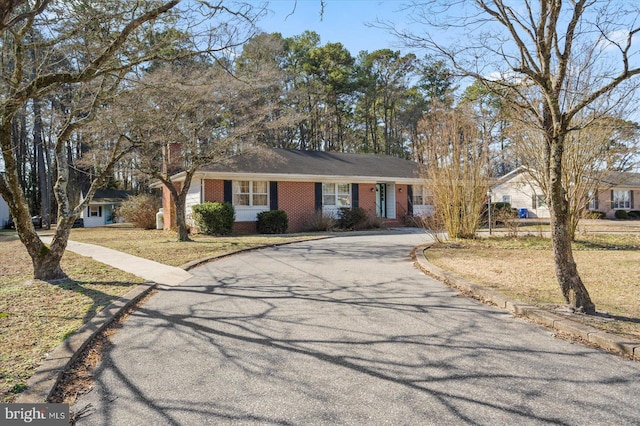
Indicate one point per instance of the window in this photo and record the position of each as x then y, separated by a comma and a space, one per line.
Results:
421, 197
506, 199
539, 201
336, 194
95, 211
621, 199
593, 200
250, 193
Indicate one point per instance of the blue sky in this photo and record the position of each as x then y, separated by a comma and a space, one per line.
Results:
344, 21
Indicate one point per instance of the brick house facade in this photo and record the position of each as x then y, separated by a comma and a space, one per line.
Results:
302, 183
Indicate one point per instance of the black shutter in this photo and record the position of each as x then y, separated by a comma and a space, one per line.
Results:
612, 198
318, 196
355, 194
273, 195
99, 211
597, 201
88, 211
410, 200
534, 201
228, 191
631, 194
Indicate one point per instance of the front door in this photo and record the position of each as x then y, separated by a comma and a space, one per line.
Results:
381, 200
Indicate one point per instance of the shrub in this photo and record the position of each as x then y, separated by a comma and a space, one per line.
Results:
621, 214
634, 214
272, 222
355, 218
140, 210
214, 218
317, 222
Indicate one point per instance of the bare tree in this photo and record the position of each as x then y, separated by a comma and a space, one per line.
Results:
85, 51
588, 153
454, 168
189, 115
559, 59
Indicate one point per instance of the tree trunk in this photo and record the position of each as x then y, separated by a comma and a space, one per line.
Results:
181, 221
573, 290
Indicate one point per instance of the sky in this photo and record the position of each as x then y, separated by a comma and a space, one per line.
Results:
343, 21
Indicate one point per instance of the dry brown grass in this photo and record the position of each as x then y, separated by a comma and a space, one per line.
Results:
522, 268
36, 316
163, 247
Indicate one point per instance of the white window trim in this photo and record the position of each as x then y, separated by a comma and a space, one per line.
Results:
337, 195
95, 209
625, 201
251, 194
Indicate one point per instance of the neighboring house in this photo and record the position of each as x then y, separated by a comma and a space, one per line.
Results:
4, 213
101, 209
616, 191
521, 191
304, 182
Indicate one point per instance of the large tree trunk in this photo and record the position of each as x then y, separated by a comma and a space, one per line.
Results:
573, 290
181, 221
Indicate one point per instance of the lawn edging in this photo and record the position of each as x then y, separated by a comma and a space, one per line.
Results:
609, 341
42, 383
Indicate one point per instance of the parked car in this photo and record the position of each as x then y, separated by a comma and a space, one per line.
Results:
36, 220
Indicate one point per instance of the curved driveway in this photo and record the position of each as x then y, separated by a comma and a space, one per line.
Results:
346, 331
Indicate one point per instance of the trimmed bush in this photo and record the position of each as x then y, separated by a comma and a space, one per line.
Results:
214, 218
621, 214
272, 222
634, 214
355, 218
140, 210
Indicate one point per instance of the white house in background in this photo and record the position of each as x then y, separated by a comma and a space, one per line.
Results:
102, 208
521, 191
4, 213
616, 191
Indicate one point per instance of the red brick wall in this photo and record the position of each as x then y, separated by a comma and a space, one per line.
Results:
244, 228
367, 198
168, 210
298, 200
214, 190
402, 202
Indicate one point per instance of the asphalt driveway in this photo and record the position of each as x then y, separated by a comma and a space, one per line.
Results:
345, 331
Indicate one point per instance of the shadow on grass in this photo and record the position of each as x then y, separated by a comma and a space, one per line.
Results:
99, 299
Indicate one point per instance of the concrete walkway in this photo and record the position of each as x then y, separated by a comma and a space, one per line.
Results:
143, 268
345, 331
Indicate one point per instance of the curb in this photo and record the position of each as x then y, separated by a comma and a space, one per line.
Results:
602, 339
41, 385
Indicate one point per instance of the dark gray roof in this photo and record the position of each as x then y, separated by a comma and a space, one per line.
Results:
318, 163
106, 195
622, 179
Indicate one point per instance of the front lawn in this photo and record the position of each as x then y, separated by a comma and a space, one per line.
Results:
522, 268
163, 247
36, 316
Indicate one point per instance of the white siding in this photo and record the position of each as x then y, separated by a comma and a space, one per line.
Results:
92, 221
522, 191
4, 213
193, 198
